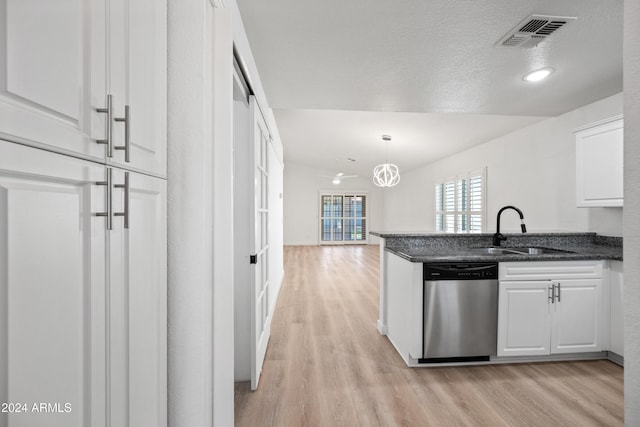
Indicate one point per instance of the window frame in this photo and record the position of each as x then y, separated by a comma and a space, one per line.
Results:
441, 211
342, 217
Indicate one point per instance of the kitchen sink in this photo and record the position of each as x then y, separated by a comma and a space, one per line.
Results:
492, 251
519, 250
539, 251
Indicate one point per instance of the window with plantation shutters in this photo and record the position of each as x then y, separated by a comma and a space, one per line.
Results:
460, 203
343, 218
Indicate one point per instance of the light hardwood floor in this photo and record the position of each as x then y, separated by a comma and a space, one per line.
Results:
327, 365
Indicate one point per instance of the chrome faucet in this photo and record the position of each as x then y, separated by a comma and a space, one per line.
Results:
498, 237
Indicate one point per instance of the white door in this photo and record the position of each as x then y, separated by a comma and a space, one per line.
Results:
577, 316
52, 289
138, 83
138, 301
260, 311
524, 318
52, 74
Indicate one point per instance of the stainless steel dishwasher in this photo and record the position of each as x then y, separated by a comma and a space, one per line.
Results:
460, 315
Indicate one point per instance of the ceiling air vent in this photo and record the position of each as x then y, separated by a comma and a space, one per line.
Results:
533, 30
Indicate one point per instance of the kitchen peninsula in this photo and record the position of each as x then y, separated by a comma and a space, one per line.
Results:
555, 292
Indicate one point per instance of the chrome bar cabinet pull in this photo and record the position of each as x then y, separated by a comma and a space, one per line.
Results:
109, 112
126, 188
127, 122
558, 286
551, 293
109, 212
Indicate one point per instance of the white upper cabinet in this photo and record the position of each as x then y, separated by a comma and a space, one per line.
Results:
52, 74
138, 83
599, 164
62, 64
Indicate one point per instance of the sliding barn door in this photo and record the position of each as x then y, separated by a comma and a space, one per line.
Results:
260, 311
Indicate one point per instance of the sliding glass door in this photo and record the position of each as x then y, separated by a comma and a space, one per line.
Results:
343, 218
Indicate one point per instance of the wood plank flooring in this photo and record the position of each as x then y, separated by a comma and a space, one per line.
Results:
327, 365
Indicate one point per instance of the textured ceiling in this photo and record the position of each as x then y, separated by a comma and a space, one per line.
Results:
417, 56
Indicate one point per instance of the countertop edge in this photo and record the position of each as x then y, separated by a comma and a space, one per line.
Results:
389, 234
573, 256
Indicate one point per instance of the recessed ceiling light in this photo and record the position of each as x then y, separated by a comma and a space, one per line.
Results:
536, 76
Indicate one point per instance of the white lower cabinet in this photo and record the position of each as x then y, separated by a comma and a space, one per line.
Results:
52, 289
138, 303
550, 308
82, 308
524, 321
616, 330
577, 316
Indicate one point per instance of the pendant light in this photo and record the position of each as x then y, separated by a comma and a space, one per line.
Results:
386, 174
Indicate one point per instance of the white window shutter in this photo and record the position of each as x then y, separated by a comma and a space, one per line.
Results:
460, 203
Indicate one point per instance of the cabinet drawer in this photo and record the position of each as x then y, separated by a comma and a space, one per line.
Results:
546, 270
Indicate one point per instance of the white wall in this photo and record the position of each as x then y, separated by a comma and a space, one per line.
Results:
632, 213
302, 187
532, 168
220, 91
200, 207
198, 351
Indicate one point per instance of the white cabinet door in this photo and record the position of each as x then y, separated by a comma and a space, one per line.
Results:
616, 331
138, 79
60, 60
52, 288
599, 164
52, 74
524, 318
69, 336
577, 316
138, 303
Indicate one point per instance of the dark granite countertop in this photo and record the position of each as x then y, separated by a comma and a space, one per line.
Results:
439, 247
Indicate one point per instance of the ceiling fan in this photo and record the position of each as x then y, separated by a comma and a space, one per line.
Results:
337, 178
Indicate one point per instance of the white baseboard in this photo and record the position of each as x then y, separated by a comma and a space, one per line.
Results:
382, 328
615, 358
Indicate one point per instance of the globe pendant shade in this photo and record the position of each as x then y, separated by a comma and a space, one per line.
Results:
386, 175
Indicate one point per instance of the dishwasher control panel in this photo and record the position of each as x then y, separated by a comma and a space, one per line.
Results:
460, 271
